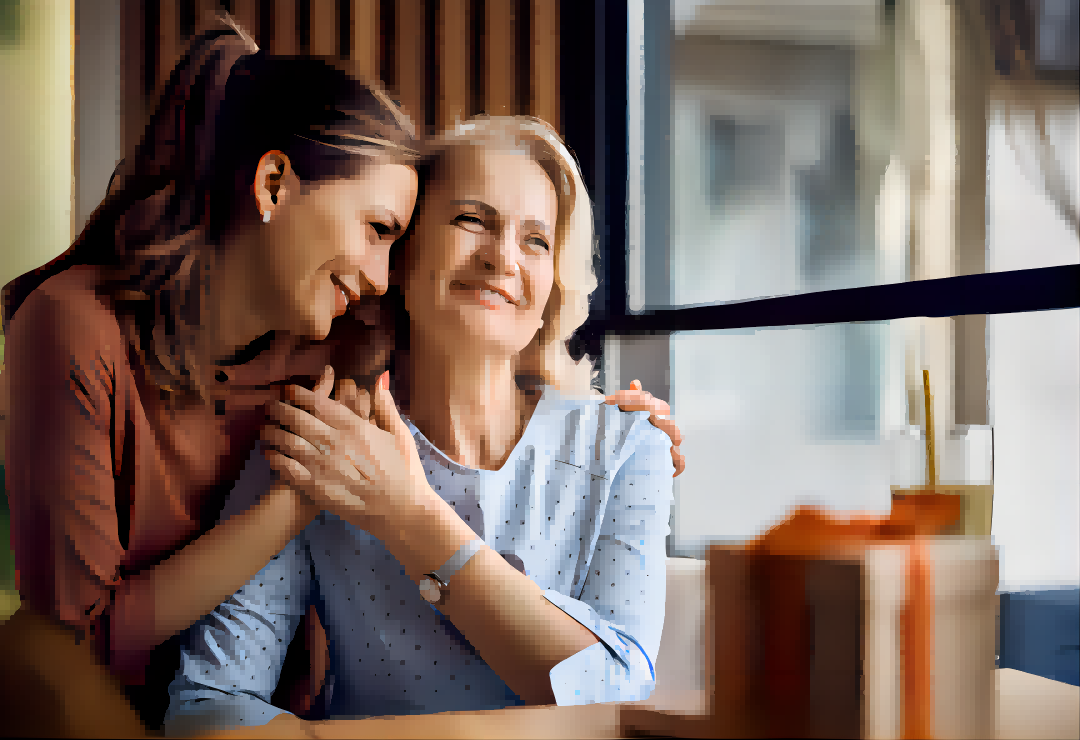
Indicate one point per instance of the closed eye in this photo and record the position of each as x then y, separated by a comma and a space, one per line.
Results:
470, 222
383, 230
539, 242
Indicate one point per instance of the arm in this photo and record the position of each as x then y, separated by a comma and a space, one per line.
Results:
624, 595
231, 660
502, 613
67, 368
188, 585
202, 575
370, 475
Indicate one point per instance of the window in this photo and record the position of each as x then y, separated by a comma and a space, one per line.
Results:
809, 223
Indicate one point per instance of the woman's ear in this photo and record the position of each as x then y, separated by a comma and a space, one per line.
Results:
269, 186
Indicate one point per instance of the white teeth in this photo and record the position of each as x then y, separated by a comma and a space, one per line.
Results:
495, 294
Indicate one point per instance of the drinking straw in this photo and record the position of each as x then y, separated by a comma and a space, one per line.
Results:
931, 468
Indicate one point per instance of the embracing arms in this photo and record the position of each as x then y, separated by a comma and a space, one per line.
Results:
500, 611
72, 400
367, 471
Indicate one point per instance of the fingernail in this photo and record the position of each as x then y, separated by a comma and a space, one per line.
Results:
384, 380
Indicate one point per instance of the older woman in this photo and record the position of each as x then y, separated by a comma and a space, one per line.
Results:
530, 515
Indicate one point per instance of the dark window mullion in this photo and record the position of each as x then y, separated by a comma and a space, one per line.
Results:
1017, 291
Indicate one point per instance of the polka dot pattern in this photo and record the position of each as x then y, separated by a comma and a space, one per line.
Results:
581, 507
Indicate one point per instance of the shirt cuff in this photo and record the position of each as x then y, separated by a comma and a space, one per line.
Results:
617, 668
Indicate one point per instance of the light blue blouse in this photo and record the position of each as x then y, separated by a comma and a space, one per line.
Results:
581, 506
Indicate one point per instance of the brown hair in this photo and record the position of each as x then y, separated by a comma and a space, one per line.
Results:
225, 105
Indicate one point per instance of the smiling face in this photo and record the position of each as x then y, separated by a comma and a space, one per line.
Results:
479, 268
325, 243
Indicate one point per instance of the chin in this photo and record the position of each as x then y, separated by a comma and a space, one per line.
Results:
315, 325
495, 337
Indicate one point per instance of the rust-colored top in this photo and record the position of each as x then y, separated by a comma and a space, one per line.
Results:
108, 474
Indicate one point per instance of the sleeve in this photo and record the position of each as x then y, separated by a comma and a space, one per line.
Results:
65, 529
231, 659
623, 598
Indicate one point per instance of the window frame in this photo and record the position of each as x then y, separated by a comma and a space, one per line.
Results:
598, 133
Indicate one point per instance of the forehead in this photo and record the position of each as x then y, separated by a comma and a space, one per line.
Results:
508, 179
380, 182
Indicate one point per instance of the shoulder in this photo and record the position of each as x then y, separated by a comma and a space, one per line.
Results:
608, 435
67, 309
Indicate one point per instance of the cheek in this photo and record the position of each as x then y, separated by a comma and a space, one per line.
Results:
543, 279
433, 261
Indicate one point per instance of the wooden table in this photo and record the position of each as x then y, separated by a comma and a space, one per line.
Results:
1036, 707
1029, 708
50, 687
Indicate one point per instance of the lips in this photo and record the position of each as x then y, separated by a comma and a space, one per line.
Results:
341, 297
485, 291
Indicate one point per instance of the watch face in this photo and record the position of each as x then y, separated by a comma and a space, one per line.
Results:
430, 590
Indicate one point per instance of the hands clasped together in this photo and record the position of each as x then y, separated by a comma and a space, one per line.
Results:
354, 455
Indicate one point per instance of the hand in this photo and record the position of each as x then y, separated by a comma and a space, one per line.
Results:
363, 469
636, 399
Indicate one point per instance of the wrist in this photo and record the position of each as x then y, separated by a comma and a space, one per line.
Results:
424, 534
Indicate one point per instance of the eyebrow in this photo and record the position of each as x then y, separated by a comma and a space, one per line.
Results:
478, 204
491, 211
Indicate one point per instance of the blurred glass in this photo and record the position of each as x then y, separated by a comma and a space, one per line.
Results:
1034, 393
785, 147
828, 415
776, 417
764, 174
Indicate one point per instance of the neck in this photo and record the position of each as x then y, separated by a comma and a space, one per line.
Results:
229, 317
465, 402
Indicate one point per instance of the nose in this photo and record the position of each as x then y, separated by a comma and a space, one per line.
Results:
368, 273
499, 255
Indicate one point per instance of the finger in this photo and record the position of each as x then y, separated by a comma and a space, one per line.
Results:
654, 406
335, 497
288, 443
290, 471
625, 397
356, 399
635, 385
383, 410
679, 461
324, 472
321, 494
326, 410
275, 458
325, 382
362, 405
345, 391
632, 397
302, 424
668, 427
322, 469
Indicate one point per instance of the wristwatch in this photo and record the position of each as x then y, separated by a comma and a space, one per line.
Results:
435, 582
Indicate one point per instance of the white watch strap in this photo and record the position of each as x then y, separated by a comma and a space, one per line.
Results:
457, 561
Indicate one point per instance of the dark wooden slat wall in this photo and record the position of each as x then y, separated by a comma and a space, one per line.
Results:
444, 60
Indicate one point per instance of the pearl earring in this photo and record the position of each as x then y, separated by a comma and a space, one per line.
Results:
266, 217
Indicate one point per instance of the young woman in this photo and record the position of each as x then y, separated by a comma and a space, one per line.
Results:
239, 249
262, 202
530, 514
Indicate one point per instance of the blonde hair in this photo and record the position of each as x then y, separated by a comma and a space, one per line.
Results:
567, 308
